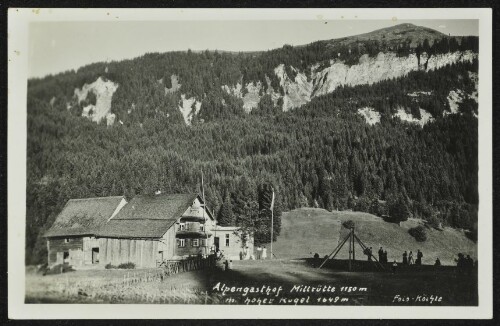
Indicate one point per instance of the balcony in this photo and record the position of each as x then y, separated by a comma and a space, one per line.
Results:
185, 234
193, 218
194, 215
191, 230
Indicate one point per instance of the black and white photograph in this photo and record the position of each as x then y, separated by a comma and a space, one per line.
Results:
238, 159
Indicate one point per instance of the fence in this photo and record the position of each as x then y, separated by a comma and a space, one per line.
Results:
190, 264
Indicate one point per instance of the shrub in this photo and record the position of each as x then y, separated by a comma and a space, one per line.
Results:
109, 266
433, 222
348, 224
419, 233
128, 265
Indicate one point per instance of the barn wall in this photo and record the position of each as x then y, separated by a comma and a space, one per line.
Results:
74, 247
143, 253
88, 244
168, 244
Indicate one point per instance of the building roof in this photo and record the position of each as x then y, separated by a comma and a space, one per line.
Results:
135, 228
147, 216
156, 207
83, 216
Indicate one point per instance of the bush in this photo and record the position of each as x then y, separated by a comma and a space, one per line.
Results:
128, 265
433, 222
348, 224
109, 266
419, 233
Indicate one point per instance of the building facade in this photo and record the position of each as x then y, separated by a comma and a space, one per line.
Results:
148, 231
71, 239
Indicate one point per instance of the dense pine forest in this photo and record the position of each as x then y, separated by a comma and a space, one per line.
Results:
322, 154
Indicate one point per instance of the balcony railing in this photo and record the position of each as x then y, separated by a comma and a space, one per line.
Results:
192, 234
193, 218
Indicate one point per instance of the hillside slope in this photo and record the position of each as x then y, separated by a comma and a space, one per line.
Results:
306, 231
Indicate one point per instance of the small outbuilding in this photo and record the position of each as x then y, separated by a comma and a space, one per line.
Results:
71, 239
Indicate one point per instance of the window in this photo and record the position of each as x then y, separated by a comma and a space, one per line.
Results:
195, 243
203, 242
181, 243
202, 227
182, 227
67, 240
227, 240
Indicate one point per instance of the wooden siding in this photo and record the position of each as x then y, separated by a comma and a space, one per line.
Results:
142, 253
88, 244
58, 245
168, 244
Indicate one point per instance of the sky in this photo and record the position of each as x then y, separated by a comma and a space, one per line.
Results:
60, 46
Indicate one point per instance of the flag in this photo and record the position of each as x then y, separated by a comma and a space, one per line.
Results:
272, 202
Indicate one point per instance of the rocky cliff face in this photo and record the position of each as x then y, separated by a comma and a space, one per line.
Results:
187, 109
103, 91
302, 88
296, 90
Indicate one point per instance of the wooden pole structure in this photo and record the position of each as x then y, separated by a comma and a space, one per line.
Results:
350, 248
353, 246
335, 251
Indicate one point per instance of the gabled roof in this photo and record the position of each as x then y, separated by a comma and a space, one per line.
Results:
135, 228
83, 216
156, 207
147, 216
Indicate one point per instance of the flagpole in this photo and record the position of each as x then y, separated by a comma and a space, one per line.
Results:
272, 225
204, 218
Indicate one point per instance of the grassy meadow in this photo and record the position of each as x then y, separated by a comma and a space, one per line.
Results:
307, 231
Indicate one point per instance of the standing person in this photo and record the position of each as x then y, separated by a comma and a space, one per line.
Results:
380, 254
385, 257
259, 252
410, 258
460, 262
469, 264
394, 266
419, 257
405, 258
264, 252
368, 253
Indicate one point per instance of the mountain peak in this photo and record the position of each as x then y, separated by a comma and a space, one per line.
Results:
401, 32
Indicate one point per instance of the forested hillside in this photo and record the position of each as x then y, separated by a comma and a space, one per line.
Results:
408, 140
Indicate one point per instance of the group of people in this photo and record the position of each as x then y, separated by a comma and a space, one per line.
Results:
408, 258
465, 264
261, 252
382, 255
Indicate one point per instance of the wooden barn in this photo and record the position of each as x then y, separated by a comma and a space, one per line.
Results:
146, 231
71, 239
152, 229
